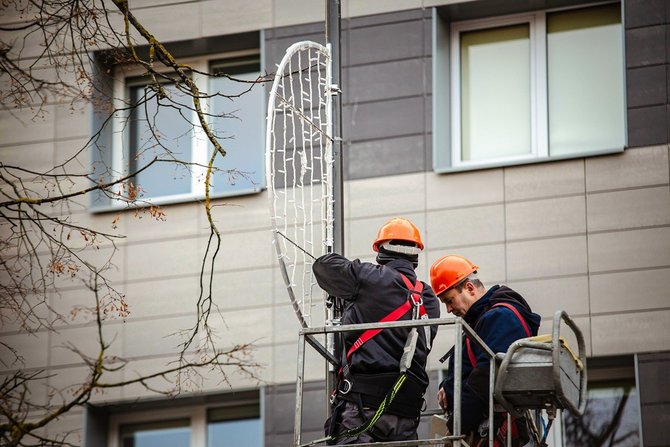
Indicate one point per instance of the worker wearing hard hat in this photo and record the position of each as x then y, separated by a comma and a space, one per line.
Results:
499, 316
370, 362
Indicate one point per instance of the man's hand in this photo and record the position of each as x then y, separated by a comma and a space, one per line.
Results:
442, 399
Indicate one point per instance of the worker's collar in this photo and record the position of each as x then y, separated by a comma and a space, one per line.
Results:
479, 307
403, 266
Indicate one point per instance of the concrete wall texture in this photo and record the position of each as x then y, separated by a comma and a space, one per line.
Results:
588, 235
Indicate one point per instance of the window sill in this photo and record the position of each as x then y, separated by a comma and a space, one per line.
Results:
528, 161
116, 205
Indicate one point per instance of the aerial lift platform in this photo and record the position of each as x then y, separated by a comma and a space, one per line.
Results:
537, 375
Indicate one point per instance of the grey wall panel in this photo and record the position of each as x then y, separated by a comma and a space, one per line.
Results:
647, 86
386, 42
645, 46
653, 370
647, 126
383, 119
376, 81
391, 156
645, 12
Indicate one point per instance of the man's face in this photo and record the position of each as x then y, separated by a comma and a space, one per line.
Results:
457, 302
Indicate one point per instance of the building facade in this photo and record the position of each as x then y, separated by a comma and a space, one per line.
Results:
531, 136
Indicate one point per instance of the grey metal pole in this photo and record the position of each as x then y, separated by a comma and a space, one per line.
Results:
458, 368
333, 37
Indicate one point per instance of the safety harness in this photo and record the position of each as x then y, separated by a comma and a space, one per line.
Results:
413, 303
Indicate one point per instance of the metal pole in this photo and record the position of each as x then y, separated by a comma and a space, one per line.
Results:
333, 38
458, 368
299, 383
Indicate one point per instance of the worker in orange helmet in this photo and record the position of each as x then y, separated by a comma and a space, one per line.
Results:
371, 361
499, 316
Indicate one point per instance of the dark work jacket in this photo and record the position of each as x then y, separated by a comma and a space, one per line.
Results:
371, 292
498, 327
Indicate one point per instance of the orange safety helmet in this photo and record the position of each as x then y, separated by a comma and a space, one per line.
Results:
398, 229
448, 271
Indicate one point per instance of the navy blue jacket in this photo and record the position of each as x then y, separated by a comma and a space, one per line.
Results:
371, 292
498, 327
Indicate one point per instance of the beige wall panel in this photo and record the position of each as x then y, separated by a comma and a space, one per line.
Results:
387, 196
75, 306
36, 157
546, 257
624, 250
37, 392
180, 220
106, 259
234, 16
207, 381
141, 4
356, 8
584, 325
164, 259
34, 308
155, 336
544, 180
466, 226
76, 154
546, 296
285, 324
619, 210
244, 250
464, 188
22, 126
250, 212
293, 12
631, 332
163, 297
543, 218
631, 168
243, 326
243, 289
428, 3
68, 428
69, 380
362, 233
172, 22
73, 121
285, 361
85, 340
629, 291
489, 258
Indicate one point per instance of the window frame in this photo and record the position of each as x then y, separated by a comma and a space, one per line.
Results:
197, 414
126, 77
447, 149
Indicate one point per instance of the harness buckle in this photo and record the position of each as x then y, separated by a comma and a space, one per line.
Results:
414, 302
347, 387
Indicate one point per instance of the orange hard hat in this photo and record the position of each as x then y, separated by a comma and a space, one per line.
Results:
398, 229
448, 271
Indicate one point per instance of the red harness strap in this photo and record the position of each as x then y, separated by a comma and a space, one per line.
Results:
415, 298
471, 354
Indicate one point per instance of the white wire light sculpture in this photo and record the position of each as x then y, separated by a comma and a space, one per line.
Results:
299, 163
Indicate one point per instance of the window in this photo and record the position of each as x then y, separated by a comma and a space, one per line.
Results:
529, 87
234, 420
611, 417
164, 125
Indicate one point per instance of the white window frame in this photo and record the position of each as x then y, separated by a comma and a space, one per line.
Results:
200, 143
538, 86
197, 414
448, 138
